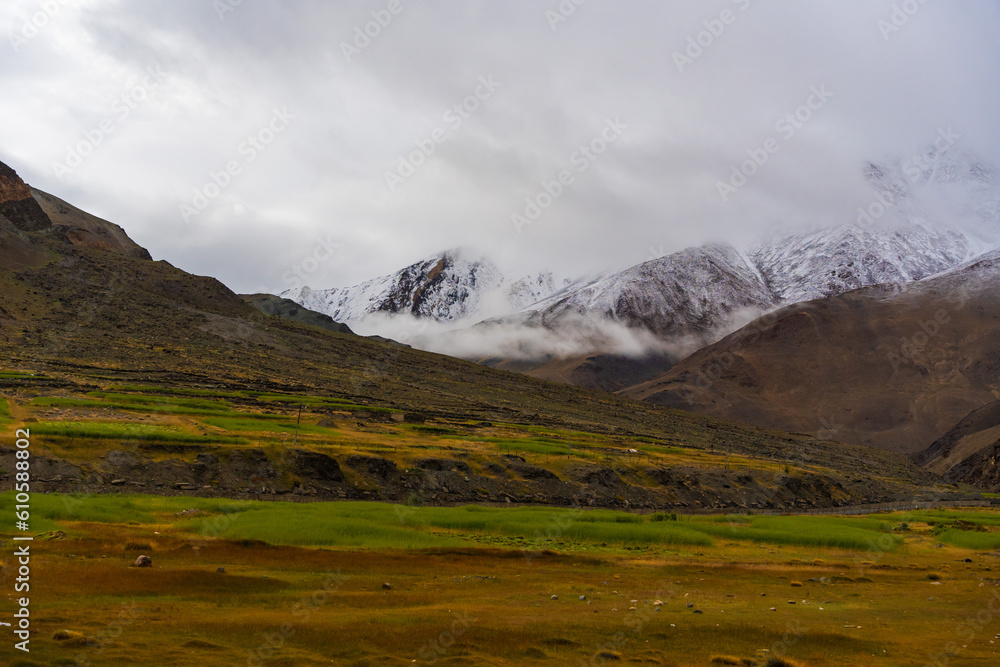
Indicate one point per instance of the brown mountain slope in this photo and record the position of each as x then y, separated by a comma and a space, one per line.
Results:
882, 366
19, 213
289, 310
607, 372
970, 452
84, 229
95, 316
18, 205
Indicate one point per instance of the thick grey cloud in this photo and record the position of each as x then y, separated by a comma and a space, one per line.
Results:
221, 76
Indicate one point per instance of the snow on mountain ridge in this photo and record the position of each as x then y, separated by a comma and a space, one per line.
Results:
811, 265
449, 286
531, 289
695, 290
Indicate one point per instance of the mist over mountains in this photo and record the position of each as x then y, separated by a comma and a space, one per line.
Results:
928, 214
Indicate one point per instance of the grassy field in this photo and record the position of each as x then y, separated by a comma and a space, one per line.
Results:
84, 427
365, 583
304, 585
5, 417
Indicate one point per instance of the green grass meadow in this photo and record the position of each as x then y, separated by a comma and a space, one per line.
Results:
373, 525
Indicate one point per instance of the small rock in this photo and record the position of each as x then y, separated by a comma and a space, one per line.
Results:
554, 597
117, 482
773, 609
690, 604
582, 598
189, 512
221, 570
698, 611
387, 586
143, 561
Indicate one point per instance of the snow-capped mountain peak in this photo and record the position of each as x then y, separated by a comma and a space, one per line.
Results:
926, 215
811, 265
694, 290
446, 287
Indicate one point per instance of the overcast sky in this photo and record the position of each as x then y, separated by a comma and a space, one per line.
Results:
128, 108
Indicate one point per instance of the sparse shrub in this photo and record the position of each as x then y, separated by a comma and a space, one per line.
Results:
725, 660
610, 655
796, 584
661, 516
934, 576
782, 662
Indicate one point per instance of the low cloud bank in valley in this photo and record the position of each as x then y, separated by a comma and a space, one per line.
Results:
525, 338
